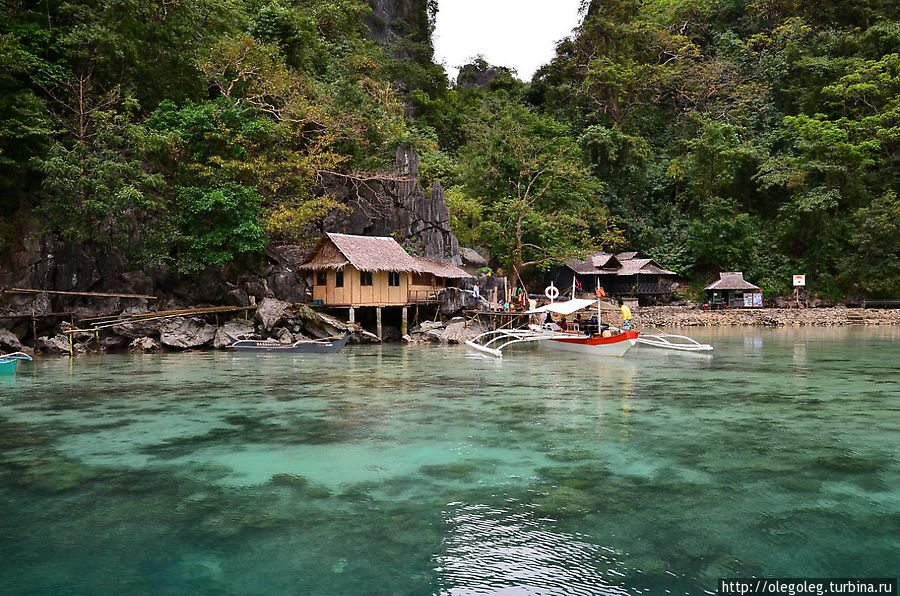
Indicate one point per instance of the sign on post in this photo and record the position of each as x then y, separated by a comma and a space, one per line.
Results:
799, 280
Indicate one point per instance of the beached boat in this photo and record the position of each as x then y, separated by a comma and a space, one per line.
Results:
9, 362
328, 345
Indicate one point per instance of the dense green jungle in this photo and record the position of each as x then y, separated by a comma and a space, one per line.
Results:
752, 135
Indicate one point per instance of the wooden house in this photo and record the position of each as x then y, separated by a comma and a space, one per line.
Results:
374, 272
641, 278
733, 291
624, 274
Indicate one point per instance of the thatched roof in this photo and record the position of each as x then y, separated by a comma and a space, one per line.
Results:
626, 256
600, 262
642, 267
731, 280
603, 260
441, 268
366, 253
582, 266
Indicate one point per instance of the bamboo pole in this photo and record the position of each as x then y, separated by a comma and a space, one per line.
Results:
98, 294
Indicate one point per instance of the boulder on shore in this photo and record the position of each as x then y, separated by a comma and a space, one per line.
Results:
58, 344
271, 312
9, 342
184, 332
232, 330
144, 345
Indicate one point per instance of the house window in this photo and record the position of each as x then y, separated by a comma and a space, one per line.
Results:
365, 278
322, 278
339, 279
393, 278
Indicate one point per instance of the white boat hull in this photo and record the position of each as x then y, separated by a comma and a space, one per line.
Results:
615, 346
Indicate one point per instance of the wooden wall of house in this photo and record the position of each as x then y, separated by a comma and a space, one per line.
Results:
353, 293
423, 286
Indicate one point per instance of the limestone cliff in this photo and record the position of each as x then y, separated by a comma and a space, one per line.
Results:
403, 27
397, 205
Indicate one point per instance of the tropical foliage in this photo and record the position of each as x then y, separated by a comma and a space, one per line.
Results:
753, 135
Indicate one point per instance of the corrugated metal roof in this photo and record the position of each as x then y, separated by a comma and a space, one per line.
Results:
366, 253
731, 280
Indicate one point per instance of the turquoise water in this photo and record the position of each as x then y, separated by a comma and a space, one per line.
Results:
432, 470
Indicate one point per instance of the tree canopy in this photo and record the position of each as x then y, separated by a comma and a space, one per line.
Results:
753, 135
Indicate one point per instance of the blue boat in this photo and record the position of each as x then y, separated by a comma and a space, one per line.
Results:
9, 362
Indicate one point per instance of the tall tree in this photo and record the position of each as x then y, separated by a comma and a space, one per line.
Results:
530, 175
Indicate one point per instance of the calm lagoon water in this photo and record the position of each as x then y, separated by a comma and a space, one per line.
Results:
433, 470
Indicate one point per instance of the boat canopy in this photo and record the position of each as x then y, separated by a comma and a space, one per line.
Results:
564, 308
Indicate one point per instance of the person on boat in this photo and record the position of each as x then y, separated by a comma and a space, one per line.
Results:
626, 315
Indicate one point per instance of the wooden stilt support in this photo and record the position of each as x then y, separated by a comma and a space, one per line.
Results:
378, 321
71, 344
352, 315
403, 321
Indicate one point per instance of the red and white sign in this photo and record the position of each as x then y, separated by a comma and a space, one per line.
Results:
799, 280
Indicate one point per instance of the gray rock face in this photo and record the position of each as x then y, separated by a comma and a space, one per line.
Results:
455, 331
454, 300
58, 344
382, 207
393, 20
138, 329
471, 257
144, 345
271, 312
184, 332
9, 342
231, 330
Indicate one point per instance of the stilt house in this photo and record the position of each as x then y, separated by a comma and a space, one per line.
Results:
359, 271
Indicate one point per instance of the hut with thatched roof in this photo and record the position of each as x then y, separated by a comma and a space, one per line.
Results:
374, 271
624, 274
732, 290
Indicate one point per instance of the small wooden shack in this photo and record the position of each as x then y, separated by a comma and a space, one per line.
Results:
624, 274
733, 291
374, 272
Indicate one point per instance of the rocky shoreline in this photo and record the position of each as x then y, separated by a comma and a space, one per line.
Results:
288, 322
684, 316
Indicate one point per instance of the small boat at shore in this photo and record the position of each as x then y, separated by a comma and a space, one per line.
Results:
9, 362
588, 339
593, 339
328, 345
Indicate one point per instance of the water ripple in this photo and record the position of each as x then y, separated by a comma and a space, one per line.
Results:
490, 550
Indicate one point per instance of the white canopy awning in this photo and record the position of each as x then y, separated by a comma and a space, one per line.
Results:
565, 308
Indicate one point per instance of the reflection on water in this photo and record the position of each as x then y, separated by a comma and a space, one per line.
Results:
429, 470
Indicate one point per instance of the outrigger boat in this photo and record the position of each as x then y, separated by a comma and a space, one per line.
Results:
9, 362
590, 339
586, 339
311, 346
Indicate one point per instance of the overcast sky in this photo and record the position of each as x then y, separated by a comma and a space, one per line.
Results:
519, 34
